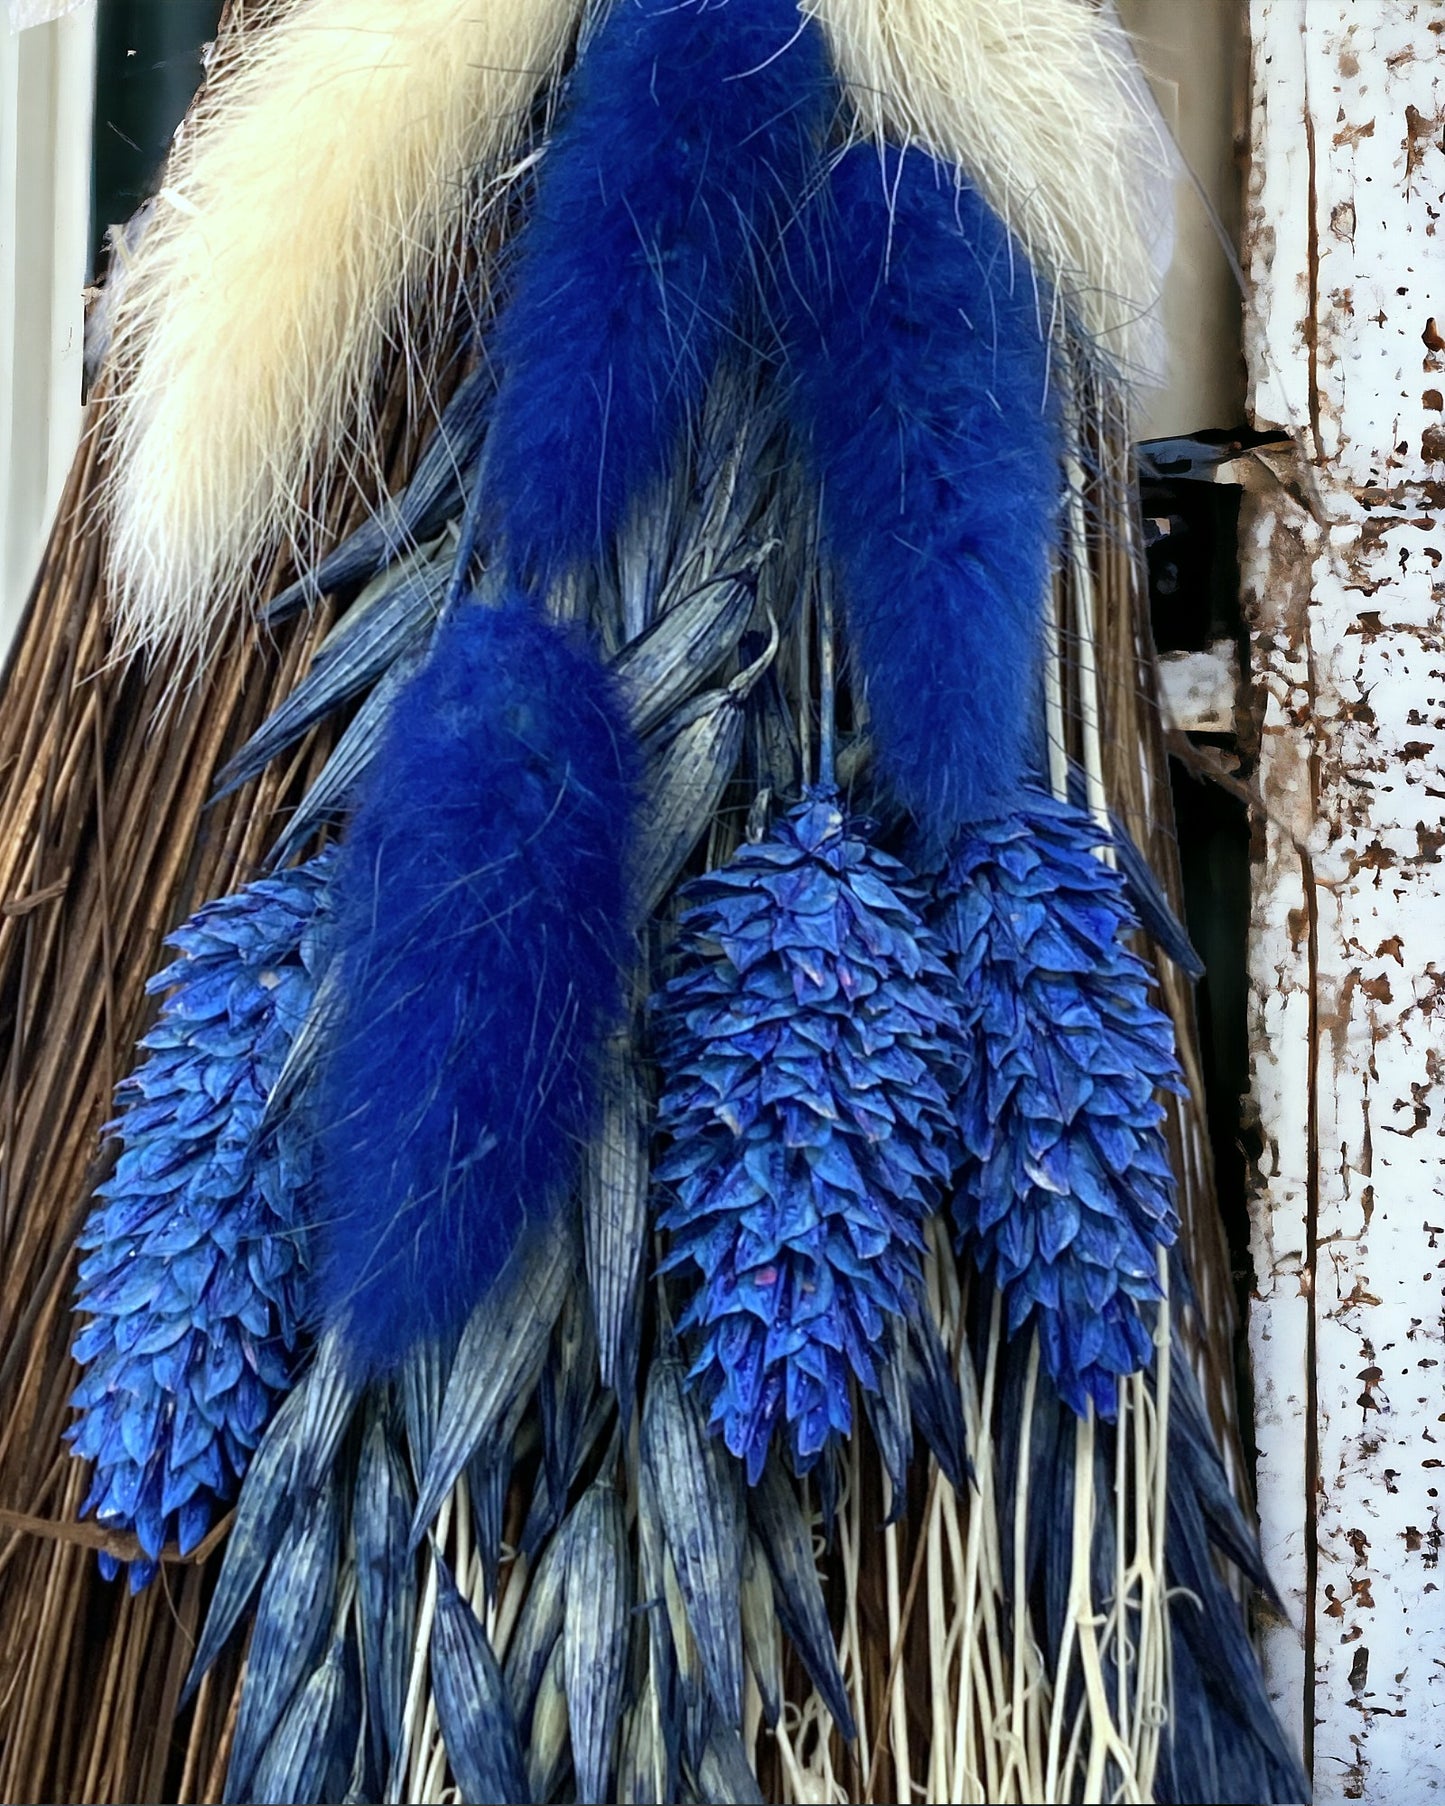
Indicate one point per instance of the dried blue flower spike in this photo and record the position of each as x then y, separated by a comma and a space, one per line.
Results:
807, 1048
1065, 1193
194, 1271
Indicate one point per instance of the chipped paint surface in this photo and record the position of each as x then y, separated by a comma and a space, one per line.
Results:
1344, 233
1345, 591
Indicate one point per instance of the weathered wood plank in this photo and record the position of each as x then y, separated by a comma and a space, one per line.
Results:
1347, 957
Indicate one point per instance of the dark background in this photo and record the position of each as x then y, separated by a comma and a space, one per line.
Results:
148, 65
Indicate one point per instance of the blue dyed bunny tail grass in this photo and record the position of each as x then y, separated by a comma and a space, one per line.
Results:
807, 1050
1065, 1193
919, 347
686, 146
482, 934
194, 1272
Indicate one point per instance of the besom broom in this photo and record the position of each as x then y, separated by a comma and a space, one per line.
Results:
791, 365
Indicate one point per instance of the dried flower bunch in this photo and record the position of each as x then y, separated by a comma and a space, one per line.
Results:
533, 1327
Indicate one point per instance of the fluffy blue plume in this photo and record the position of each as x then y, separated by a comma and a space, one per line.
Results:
481, 935
684, 148
919, 345
194, 1273
1065, 1192
806, 1043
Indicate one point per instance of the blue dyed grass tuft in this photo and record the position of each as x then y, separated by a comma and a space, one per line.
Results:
193, 1275
806, 1043
482, 932
919, 346
686, 144
1065, 1193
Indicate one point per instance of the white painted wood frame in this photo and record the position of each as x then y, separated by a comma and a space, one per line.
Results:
47, 78
1345, 341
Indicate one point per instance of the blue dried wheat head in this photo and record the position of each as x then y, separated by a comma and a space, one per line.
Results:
807, 1044
194, 1271
1065, 1193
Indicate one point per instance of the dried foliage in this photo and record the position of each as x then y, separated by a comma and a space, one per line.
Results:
563, 1468
77, 960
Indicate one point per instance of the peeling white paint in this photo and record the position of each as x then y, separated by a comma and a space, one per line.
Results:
1346, 346
1349, 113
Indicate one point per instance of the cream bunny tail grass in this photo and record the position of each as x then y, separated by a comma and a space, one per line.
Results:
301, 208
1042, 106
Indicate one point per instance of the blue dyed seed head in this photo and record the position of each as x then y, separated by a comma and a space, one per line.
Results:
1065, 1192
807, 1044
193, 1268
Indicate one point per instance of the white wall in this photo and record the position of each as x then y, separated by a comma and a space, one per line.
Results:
1194, 53
46, 99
